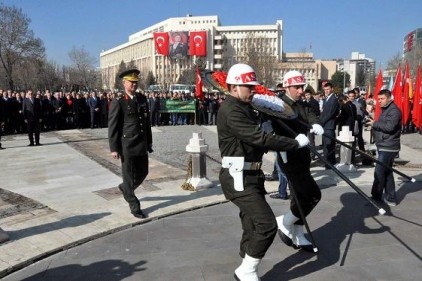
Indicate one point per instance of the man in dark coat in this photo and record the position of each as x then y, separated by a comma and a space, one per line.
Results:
387, 132
32, 114
94, 109
328, 118
130, 138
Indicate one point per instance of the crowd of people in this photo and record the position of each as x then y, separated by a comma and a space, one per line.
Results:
74, 110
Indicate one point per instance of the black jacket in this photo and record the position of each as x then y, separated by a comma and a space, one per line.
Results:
129, 127
32, 111
387, 129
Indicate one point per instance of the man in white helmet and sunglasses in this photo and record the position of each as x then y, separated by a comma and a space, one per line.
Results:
242, 144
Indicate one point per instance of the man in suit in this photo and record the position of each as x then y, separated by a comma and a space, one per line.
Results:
178, 49
94, 109
32, 114
130, 138
328, 117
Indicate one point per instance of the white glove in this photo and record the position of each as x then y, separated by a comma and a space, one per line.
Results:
317, 129
302, 140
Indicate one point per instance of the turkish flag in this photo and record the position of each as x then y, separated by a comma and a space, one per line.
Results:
378, 87
198, 43
198, 91
407, 91
161, 42
417, 101
397, 90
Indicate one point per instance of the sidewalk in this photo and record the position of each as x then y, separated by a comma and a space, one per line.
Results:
71, 198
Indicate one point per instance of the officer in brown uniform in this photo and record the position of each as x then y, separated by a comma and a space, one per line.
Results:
130, 138
242, 144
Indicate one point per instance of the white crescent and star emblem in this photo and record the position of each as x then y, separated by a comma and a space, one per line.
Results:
160, 38
197, 42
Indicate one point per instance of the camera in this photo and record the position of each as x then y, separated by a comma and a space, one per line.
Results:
366, 119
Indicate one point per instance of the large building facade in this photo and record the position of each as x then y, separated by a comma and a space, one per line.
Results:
225, 46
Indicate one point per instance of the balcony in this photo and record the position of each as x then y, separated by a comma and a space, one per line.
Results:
218, 56
218, 37
218, 47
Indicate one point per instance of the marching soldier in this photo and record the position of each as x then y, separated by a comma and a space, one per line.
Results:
130, 138
297, 164
242, 144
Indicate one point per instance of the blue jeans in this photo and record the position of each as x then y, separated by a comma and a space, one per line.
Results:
282, 179
383, 177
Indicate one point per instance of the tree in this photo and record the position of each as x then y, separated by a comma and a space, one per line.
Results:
84, 68
17, 41
394, 62
150, 79
339, 79
117, 80
257, 53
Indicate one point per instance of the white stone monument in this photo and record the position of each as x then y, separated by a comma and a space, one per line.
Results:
345, 164
198, 150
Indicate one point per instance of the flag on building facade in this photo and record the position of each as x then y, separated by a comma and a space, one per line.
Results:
417, 101
161, 42
407, 92
198, 43
398, 89
378, 87
198, 91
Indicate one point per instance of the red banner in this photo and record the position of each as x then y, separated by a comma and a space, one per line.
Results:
417, 101
198, 91
198, 43
161, 42
397, 90
407, 91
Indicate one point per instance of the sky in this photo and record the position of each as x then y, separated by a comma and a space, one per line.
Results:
327, 28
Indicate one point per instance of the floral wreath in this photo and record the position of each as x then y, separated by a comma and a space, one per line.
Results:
264, 100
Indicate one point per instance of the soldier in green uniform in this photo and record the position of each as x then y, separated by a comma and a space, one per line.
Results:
130, 138
296, 164
242, 144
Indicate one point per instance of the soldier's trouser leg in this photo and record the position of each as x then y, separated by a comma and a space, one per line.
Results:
306, 190
134, 171
258, 223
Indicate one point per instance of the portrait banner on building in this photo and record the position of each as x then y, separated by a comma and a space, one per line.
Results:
161, 42
198, 43
178, 47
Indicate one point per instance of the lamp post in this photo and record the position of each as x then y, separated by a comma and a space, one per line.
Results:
344, 77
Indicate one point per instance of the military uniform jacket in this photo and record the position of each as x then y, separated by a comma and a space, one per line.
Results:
129, 127
240, 134
299, 159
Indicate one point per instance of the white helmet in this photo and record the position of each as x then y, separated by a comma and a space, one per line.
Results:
241, 74
293, 78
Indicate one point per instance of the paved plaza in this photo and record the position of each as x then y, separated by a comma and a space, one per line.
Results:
66, 219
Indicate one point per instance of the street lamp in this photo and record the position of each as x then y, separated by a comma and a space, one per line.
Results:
344, 76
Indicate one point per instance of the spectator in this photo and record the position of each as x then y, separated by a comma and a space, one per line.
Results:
32, 112
387, 132
328, 117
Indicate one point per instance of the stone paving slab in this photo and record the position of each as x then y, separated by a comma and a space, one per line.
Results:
72, 183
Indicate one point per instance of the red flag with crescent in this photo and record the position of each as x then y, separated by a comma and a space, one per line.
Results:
161, 42
198, 43
417, 100
198, 91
